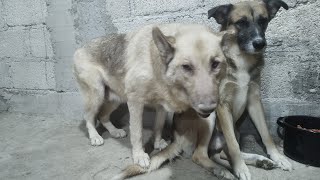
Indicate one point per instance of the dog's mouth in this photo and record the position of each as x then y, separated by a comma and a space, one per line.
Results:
204, 115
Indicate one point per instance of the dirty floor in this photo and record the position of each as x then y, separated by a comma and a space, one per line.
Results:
39, 147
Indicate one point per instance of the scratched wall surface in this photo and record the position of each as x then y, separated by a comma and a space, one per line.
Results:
38, 38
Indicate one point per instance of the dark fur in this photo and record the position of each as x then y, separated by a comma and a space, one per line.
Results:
111, 49
249, 21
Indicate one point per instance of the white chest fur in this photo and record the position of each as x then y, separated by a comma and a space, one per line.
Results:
240, 98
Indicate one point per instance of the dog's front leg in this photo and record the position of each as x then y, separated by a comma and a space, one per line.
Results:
256, 112
160, 119
226, 122
139, 156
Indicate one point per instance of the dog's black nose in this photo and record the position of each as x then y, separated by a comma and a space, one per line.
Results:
259, 44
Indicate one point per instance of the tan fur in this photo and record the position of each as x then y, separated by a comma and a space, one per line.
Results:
146, 67
191, 133
240, 90
243, 9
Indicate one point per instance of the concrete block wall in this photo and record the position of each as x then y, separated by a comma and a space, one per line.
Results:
38, 38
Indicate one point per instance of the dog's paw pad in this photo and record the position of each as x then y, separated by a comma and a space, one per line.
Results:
223, 174
96, 140
160, 144
142, 159
242, 172
266, 164
281, 161
118, 133
244, 176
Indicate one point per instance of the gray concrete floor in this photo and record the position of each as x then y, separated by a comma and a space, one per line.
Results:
43, 147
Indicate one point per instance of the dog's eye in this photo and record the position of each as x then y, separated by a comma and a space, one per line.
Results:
187, 67
242, 22
262, 21
214, 65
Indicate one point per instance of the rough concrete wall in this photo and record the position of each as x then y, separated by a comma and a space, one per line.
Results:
38, 38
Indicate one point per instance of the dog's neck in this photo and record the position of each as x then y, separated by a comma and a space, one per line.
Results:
240, 61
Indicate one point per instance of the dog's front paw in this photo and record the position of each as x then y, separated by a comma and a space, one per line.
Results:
266, 164
141, 158
96, 140
281, 161
222, 173
118, 133
242, 172
160, 144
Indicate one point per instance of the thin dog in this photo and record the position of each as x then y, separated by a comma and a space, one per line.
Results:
170, 67
240, 89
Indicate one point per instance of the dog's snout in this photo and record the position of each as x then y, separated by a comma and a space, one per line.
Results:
207, 108
259, 44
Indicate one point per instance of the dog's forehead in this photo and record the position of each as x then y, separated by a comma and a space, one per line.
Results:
199, 45
250, 10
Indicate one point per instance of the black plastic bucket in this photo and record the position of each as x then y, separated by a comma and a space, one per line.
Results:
300, 144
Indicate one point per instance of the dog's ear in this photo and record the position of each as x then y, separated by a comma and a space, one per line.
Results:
273, 7
220, 13
164, 44
228, 39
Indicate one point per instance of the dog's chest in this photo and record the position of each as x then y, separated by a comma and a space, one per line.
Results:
240, 96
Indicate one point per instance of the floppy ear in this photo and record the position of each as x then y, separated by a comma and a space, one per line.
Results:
228, 39
164, 44
273, 7
220, 13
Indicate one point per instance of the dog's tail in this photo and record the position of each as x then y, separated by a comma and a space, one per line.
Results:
170, 152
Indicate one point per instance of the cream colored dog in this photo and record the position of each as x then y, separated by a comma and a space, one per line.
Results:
170, 67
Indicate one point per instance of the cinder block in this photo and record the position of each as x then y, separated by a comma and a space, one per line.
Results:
4, 98
64, 49
40, 43
59, 14
25, 12
3, 25
30, 75
13, 42
37, 102
67, 105
62, 34
65, 80
124, 25
276, 80
71, 105
3, 105
5, 74
50, 74
91, 20
145, 7
118, 8
210, 3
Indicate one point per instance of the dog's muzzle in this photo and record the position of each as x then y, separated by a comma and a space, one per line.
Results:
204, 115
205, 110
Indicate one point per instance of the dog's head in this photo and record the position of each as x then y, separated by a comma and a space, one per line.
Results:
194, 63
250, 20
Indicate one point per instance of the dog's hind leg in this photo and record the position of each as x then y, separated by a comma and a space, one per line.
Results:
250, 159
200, 157
258, 161
94, 97
159, 143
104, 116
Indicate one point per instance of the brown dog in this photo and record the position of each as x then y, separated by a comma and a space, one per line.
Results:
240, 89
